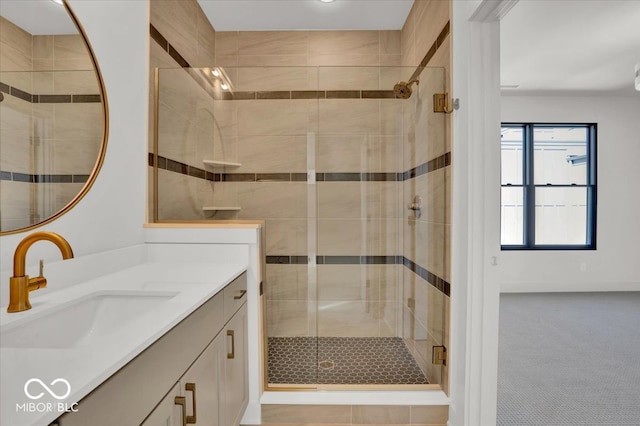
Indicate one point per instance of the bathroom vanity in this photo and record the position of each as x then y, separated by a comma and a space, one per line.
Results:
159, 341
194, 374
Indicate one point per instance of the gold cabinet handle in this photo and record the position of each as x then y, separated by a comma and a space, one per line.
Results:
242, 293
232, 355
191, 387
181, 400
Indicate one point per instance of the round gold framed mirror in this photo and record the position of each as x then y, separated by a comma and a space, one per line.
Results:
53, 113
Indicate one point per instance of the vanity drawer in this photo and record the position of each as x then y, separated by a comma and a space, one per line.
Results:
234, 294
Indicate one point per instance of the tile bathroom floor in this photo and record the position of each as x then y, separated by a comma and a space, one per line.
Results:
342, 360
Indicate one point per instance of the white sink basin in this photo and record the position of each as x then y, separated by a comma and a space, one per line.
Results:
81, 321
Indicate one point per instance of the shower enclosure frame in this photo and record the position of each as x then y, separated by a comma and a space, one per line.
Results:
406, 177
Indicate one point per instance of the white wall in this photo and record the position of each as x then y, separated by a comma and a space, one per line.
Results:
476, 282
112, 213
615, 264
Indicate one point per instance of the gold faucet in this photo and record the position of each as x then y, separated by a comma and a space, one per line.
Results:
20, 284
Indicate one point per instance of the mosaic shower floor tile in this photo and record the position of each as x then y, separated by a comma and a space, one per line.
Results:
342, 360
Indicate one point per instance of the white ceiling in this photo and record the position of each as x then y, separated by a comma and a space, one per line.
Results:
279, 15
38, 17
570, 46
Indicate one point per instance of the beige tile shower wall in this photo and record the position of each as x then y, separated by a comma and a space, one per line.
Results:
357, 300
353, 136
427, 240
425, 21
186, 28
16, 60
16, 204
186, 126
16, 54
307, 48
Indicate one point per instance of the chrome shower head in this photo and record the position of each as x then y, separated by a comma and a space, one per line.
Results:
403, 90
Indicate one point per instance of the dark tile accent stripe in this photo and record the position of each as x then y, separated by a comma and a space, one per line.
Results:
443, 34
343, 94
278, 260
158, 38
432, 50
439, 283
162, 162
20, 94
379, 260
378, 94
273, 95
30, 178
198, 173
164, 43
238, 96
48, 99
54, 99
239, 177
179, 167
430, 53
379, 177
298, 177
178, 57
343, 260
357, 177
273, 177
182, 168
430, 166
22, 177
86, 99
308, 94
342, 177
175, 166
53, 178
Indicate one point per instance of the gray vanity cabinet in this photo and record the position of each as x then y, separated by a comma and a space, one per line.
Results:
195, 374
214, 390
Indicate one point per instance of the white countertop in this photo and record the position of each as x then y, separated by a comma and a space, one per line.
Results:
87, 366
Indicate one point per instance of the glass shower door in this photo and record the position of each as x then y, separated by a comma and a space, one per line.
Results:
372, 150
426, 227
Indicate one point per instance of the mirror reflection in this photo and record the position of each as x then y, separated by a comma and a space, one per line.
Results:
52, 122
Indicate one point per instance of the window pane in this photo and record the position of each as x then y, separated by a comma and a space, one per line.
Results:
561, 216
511, 142
512, 216
560, 155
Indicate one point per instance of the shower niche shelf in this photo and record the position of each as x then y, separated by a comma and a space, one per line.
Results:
221, 208
218, 163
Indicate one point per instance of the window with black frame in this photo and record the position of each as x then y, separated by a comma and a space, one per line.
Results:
548, 179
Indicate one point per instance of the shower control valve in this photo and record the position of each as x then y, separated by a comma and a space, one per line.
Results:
416, 206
